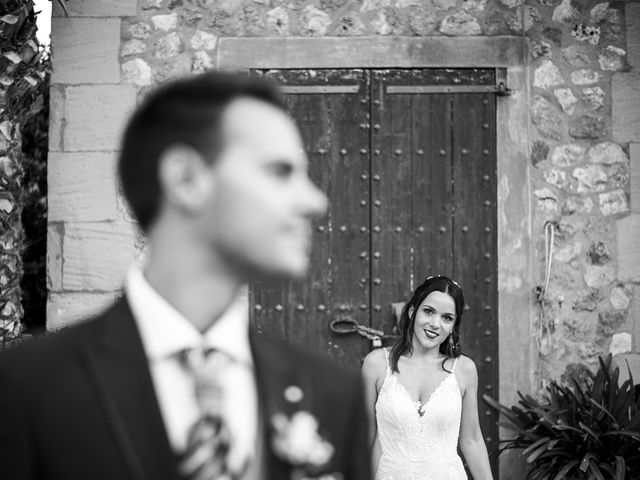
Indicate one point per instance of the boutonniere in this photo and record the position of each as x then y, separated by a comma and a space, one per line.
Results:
296, 441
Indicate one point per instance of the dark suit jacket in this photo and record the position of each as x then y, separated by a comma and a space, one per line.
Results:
80, 405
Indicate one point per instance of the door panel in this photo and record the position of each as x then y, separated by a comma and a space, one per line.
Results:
475, 241
337, 284
432, 186
391, 212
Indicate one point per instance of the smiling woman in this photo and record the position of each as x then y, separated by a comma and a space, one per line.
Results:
423, 392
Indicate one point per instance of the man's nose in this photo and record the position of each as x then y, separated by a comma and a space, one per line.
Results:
316, 202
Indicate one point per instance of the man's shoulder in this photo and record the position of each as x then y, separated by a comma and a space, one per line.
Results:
40, 354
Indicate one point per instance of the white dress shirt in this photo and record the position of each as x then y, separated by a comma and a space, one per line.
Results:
165, 334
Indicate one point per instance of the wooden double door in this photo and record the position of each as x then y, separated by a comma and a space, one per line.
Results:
409, 167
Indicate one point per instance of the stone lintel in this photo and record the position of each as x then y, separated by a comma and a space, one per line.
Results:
371, 52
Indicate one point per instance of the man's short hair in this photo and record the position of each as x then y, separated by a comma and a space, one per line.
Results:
186, 111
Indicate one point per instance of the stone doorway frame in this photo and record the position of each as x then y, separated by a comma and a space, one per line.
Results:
515, 244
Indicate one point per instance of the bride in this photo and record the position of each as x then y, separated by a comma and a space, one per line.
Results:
422, 393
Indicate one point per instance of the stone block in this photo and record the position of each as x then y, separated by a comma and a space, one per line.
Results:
165, 22
96, 255
613, 203
67, 309
136, 72
56, 117
278, 21
625, 92
619, 298
593, 97
314, 22
577, 56
587, 126
95, 116
55, 232
620, 343
632, 18
85, 50
607, 153
82, 187
93, 8
628, 233
460, 23
547, 75
597, 276
547, 118
634, 157
567, 155
612, 59
598, 253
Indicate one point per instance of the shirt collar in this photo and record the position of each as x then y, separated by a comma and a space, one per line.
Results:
166, 332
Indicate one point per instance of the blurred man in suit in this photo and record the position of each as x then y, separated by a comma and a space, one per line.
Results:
215, 172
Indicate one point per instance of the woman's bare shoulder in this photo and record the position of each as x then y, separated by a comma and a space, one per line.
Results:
375, 362
466, 370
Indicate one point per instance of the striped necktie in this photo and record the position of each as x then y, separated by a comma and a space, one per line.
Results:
209, 438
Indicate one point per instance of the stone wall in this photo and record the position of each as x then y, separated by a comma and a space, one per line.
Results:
585, 139
586, 117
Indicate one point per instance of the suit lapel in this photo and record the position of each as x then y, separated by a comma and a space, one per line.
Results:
275, 372
119, 372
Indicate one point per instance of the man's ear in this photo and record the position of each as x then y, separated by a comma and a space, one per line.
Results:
185, 178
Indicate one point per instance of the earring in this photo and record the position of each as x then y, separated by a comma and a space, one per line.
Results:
451, 345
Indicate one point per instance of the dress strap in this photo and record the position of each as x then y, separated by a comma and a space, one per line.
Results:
386, 357
455, 360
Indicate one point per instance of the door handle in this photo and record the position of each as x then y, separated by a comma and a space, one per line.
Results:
346, 325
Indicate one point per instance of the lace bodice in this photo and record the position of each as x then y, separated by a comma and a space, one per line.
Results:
414, 446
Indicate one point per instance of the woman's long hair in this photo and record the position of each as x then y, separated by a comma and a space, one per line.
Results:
451, 346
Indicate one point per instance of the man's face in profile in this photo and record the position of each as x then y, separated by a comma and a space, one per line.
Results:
262, 201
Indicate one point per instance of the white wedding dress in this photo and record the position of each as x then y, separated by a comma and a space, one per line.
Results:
418, 447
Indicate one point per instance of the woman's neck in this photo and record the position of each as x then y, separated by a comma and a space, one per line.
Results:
422, 355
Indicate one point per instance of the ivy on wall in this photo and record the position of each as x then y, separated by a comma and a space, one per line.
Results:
23, 147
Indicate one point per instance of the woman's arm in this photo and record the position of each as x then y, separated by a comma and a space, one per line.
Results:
373, 370
471, 441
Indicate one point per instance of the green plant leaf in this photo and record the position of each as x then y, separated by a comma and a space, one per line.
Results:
539, 451
584, 464
593, 468
620, 468
634, 435
536, 444
10, 19
564, 470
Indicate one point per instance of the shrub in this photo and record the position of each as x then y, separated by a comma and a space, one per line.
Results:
589, 431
